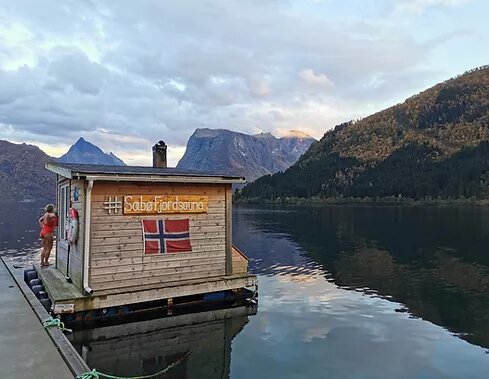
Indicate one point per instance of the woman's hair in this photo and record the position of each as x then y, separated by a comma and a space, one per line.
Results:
49, 208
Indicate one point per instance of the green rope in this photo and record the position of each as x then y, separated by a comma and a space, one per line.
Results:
89, 375
94, 374
55, 322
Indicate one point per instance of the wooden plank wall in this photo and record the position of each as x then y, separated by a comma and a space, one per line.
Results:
117, 261
76, 250
240, 262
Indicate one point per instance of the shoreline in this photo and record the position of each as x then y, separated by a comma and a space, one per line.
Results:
381, 201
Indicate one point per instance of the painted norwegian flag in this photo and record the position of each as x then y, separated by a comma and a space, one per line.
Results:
166, 236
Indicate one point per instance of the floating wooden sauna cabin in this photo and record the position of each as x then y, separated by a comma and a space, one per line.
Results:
133, 235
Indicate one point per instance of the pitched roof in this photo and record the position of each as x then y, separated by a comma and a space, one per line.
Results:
137, 173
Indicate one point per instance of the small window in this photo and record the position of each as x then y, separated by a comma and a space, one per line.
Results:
64, 206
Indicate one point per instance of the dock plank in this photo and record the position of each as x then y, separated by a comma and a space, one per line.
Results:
57, 286
26, 350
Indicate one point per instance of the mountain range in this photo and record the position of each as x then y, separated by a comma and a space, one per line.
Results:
239, 154
85, 152
435, 144
24, 178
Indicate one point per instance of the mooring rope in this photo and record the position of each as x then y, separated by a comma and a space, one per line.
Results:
55, 322
94, 374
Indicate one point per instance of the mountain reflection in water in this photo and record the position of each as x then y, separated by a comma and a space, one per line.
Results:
355, 292
435, 261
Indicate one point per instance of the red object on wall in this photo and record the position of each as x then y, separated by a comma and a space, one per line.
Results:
73, 213
166, 236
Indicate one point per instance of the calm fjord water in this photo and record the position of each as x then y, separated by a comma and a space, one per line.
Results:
345, 292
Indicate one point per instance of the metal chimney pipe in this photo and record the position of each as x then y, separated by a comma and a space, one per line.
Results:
159, 155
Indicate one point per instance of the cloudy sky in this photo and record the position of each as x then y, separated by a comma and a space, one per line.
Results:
124, 74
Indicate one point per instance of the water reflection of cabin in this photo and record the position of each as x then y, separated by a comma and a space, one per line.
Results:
144, 234
202, 341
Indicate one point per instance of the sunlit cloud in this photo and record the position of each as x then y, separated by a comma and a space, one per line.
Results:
320, 80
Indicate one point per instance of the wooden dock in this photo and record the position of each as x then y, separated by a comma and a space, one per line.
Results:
27, 349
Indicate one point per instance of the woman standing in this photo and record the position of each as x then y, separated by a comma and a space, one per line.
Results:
47, 222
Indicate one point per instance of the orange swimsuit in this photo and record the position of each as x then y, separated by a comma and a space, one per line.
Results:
48, 226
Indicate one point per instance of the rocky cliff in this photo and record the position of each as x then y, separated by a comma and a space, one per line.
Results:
233, 153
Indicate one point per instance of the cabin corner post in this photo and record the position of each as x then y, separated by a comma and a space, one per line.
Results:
229, 230
86, 252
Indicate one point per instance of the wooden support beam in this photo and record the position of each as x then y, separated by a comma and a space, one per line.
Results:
229, 230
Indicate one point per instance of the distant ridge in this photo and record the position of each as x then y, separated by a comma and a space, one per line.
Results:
233, 153
85, 152
22, 173
24, 178
434, 145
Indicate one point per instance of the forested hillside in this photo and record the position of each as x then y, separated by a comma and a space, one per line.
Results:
435, 144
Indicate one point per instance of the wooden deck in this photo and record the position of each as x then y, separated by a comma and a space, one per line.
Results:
67, 295
56, 284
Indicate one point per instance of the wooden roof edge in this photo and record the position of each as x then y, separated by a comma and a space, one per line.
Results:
162, 179
53, 167
71, 173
